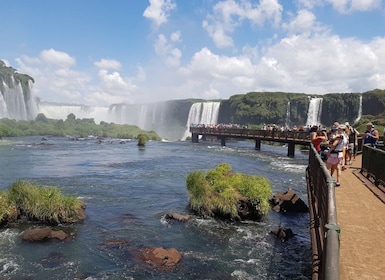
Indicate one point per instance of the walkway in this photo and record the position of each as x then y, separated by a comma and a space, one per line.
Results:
361, 216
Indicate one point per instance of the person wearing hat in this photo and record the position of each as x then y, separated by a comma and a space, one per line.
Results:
371, 135
335, 157
351, 151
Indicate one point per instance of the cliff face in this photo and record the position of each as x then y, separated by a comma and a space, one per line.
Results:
293, 108
253, 108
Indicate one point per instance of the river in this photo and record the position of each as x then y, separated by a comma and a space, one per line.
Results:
129, 190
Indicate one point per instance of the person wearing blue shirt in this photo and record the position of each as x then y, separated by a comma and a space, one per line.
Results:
371, 135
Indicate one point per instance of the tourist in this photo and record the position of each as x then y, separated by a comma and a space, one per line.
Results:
335, 155
371, 135
317, 137
351, 151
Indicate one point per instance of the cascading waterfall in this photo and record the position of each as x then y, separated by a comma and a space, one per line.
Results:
287, 120
16, 101
359, 111
202, 113
314, 111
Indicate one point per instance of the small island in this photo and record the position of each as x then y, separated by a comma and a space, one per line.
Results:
225, 194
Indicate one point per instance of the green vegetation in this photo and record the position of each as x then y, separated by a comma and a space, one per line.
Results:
219, 192
5, 206
43, 204
10, 77
142, 139
71, 126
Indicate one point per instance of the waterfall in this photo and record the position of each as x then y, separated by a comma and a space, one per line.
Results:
156, 116
359, 111
314, 111
202, 113
16, 101
287, 120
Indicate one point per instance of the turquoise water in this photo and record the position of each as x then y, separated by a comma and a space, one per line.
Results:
129, 190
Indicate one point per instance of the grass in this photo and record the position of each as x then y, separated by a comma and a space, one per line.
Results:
44, 204
218, 192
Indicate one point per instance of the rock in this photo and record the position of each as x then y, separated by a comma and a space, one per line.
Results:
58, 234
178, 217
43, 233
160, 258
288, 201
283, 234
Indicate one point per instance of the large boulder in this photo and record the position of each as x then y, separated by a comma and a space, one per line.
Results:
44, 233
159, 258
288, 201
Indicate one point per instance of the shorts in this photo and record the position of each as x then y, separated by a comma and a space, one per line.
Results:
334, 159
350, 149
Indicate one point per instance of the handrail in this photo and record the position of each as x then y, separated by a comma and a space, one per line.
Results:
373, 162
302, 136
324, 230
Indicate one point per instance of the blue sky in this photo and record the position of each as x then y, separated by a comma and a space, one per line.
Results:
98, 52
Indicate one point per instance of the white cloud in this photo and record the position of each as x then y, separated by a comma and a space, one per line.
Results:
108, 64
304, 23
58, 58
159, 10
229, 15
176, 36
348, 6
164, 49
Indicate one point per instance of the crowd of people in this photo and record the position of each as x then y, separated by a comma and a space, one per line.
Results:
339, 148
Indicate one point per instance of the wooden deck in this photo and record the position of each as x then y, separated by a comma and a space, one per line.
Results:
361, 217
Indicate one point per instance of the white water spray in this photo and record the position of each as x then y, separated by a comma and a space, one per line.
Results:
202, 113
359, 111
314, 111
17, 102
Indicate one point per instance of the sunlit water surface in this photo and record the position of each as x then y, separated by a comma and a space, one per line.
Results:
129, 190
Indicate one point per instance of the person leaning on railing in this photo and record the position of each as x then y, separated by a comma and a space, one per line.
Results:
318, 136
371, 135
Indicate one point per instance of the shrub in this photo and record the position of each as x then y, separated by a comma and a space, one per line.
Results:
45, 204
221, 192
5, 206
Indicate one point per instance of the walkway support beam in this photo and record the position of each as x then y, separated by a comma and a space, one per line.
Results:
223, 141
291, 149
195, 137
258, 144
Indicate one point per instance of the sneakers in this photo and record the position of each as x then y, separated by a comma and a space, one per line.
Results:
338, 184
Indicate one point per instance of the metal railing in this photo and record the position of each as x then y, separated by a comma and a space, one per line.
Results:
373, 164
324, 230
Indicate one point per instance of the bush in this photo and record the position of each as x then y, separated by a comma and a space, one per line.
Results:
221, 192
45, 204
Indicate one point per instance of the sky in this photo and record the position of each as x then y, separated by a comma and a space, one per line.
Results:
98, 52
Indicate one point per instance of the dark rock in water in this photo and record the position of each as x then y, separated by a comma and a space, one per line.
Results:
159, 258
52, 260
177, 217
283, 234
288, 201
43, 234
116, 242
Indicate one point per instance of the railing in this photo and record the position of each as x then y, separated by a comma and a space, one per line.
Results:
324, 230
373, 164
301, 136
